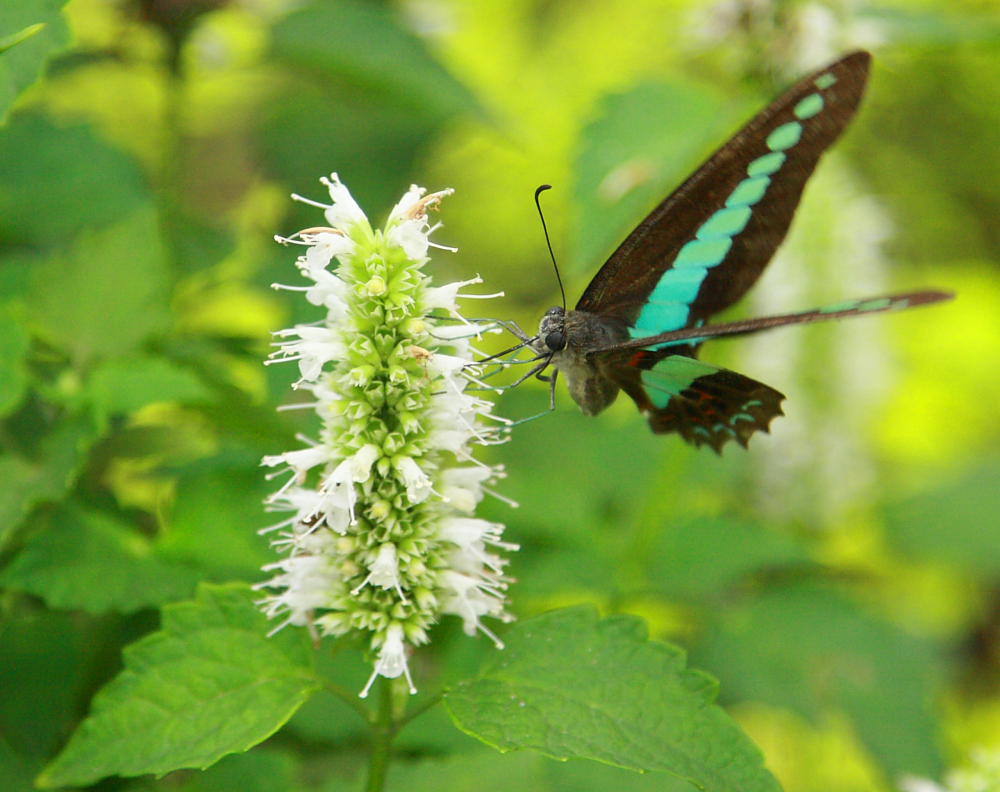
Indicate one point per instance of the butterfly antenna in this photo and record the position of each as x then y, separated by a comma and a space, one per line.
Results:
548, 242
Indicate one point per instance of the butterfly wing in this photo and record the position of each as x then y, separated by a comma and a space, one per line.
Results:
708, 242
703, 403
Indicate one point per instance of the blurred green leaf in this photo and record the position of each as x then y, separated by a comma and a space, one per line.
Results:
928, 25
217, 514
57, 181
14, 773
371, 142
954, 523
571, 685
21, 36
367, 45
700, 557
92, 562
31, 31
640, 147
44, 657
261, 770
14, 342
108, 294
210, 683
475, 772
30, 480
811, 649
125, 384
492, 772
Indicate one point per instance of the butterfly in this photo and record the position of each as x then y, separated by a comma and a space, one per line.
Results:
639, 324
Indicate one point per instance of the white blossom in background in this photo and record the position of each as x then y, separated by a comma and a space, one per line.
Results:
980, 774
380, 535
787, 39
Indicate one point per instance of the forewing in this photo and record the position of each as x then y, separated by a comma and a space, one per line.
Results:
708, 242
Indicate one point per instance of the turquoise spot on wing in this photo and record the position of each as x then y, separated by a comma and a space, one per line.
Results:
785, 136
725, 223
808, 107
824, 81
858, 305
671, 376
658, 315
740, 416
749, 191
766, 165
753, 403
702, 253
702, 431
678, 285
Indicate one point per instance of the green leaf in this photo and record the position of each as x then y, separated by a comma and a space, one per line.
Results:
261, 770
571, 685
22, 35
217, 514
123, 385
14, 342
640, 147
14, 774
812, 650
46, 658
92, 562
28, 481
475, 772
367, 46
954, 523
108, 294
56, 182
209, 683
30, 32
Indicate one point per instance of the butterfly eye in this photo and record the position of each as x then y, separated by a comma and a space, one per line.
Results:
556, 341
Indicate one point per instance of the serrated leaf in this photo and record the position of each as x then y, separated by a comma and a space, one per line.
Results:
369, 46
30, 32
209, 683
56, 182
639, 148
811, 649
106, 295
571, 685
89, 561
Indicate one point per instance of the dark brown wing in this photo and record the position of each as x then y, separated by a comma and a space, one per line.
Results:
708, 242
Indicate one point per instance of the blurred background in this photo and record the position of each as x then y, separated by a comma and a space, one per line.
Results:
841, 578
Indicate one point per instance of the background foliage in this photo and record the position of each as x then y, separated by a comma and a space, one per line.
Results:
841, 579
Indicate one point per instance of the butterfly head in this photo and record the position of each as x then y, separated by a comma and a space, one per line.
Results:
552, 332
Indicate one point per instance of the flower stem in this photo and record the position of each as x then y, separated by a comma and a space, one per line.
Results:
382, 734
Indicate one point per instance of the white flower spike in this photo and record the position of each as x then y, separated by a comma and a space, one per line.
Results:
380, 536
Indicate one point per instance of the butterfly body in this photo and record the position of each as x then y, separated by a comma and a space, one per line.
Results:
569, 337
639, 325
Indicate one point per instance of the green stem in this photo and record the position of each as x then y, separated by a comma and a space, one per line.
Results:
382, 733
